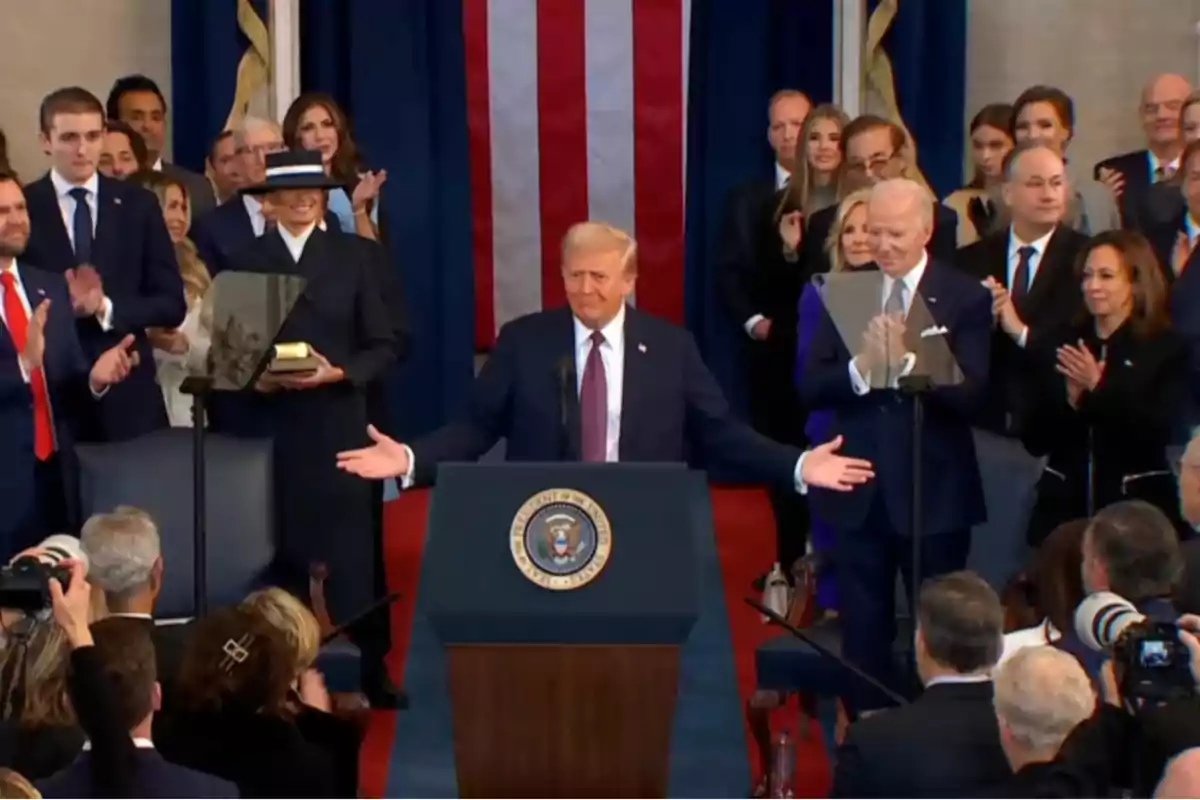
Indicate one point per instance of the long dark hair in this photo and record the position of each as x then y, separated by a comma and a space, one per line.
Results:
1150, 313
346, 161
995, 115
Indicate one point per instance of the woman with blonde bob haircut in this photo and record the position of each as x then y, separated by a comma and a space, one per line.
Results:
285, 613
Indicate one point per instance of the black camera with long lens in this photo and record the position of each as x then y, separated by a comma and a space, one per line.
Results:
25, 583
1151, 662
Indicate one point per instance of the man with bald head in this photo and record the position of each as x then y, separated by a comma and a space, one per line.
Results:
910, 312
1029, 267
1129, 175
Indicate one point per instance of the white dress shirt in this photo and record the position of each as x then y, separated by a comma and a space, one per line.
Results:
1015, 243
66, 204
612, 353
979, 677
295, 242
254, 208
173, 369
862, 383
157, 165
1037, 636
1170, 167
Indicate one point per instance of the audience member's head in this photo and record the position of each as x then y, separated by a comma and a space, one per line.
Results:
1161, 103
125, 553
899, 224
14, 217
1132, 549
227, 165
4, 165
849, 244
256, 139
991, 139
137, 101
1044, 114
1041, 695
960, 625
1053, 587
1034, 189
125, 654
1189, 166
14, 786
37, 696
786, 111
1122, 281
289, 616
124, 151
236, 661
176, 208
314, 121
1181, 778
873, 149
72, 132
818, 160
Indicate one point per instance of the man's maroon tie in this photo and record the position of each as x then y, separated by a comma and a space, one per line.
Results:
593, 404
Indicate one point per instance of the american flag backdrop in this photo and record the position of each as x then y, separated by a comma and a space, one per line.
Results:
577, 109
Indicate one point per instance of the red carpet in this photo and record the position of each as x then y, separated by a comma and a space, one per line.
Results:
745, 542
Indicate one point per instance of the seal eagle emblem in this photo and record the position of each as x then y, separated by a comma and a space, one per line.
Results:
560, 539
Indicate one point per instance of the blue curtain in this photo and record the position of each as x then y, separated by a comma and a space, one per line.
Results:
398, 68
927, 43
740, 53
206, 47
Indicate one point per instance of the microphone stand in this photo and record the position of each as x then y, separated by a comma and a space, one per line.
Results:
199, 387
916, 386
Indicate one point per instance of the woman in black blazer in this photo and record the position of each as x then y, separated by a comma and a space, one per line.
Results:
1113, 388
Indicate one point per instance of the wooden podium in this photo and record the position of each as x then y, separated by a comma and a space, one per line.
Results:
563, 693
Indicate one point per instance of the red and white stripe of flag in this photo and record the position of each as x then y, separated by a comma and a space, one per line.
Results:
577, 110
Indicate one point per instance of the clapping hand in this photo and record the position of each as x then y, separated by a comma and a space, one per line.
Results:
114, 364
824, 468
87, 291
1003, 308
1114, 180
791, 230
35, 337
1079, 366
367, 189
169, 340
387, 458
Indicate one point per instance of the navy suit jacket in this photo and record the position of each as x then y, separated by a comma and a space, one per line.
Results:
1184, 307
133, 253
1135, 167
878, 425
155, 777
66, 369
671, 407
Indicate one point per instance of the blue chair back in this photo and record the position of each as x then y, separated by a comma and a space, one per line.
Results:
1010, 476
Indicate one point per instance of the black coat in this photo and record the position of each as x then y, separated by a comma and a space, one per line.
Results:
324, 514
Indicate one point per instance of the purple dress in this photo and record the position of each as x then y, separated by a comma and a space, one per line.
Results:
817, 430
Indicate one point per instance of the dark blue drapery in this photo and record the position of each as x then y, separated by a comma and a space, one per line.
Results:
927, 43
741, 52
206, 47
397, 66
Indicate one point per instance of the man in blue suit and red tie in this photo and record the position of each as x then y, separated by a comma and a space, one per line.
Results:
46, 386
946, 336
602, 381
109, 239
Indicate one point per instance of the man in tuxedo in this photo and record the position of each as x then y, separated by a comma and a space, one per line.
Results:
762, 303
945, 337
109, 239
874, 149
1030, 270
114, 672
601, 381
946, 743
47, 387
138, 102
1130, 175
324, 515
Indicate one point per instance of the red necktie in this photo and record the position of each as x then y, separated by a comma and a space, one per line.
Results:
18, 328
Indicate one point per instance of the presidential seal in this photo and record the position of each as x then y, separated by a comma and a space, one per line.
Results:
560, 539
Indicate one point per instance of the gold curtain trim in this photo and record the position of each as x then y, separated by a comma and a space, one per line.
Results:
254, 69
880, 78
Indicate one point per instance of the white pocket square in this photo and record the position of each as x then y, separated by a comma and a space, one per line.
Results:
934, 330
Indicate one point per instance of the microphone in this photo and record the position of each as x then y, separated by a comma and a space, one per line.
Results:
562, 371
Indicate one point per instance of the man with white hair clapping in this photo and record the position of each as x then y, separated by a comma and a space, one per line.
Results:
906, 316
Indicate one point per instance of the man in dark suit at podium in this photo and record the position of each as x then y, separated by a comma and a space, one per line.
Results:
948, 331
602, 381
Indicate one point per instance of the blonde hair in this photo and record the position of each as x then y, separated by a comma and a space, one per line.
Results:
285, 613
196, 278
14, 785
799, 191
1041, 694
41, 688
833, 243
600, 237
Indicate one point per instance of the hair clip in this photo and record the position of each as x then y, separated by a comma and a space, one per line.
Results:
236, 652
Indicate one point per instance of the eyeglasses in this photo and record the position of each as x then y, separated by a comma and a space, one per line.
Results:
874, 164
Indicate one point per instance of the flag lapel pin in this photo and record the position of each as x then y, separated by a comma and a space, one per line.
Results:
641, 347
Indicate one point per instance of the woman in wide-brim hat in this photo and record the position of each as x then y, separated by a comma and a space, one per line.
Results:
294, 169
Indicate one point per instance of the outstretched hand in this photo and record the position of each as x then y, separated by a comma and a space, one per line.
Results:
387, 458
824, 468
